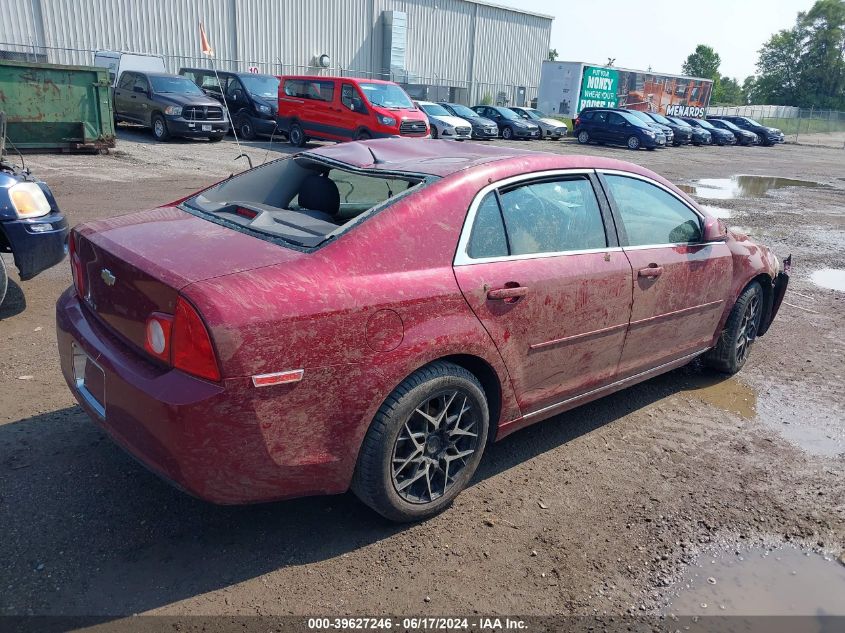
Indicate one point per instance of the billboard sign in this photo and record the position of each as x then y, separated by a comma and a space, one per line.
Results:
599, 88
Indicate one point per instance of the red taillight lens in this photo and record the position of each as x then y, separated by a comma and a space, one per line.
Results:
158, 334
190, 348
76, 268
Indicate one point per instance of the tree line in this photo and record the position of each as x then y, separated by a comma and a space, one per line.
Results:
802, 66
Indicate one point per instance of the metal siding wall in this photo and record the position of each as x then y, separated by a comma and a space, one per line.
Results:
297, 31
164, 27
17, 23
438, 38
510, 47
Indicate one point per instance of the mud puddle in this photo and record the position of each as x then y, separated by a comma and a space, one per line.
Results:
762, 582
830, 278
728, 395
742, 186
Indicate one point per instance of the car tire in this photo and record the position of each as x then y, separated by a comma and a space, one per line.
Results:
160, 131
296, 136
407, 430
4, 280
363, 135
633, 142
246, 131
216, 138
507, 133
583, 137
433, 132
731, 350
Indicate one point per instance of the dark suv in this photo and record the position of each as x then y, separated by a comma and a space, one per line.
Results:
169, 104
482, 127
253, 99
719, 135
681, 129
767, 135
509, 122
743, 137
618, 127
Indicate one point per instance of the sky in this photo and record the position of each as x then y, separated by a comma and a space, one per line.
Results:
661, 33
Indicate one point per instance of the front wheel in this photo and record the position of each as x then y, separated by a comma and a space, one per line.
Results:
424, 444
433, 132
740, 331
296, 136
583, 137
160, 131
633, 142
245, 129
507, 133
4, 280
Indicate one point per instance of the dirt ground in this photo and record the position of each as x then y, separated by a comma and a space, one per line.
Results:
599, 510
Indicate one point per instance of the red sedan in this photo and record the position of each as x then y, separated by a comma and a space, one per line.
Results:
371, 315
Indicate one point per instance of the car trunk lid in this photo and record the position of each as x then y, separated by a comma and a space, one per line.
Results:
136, 264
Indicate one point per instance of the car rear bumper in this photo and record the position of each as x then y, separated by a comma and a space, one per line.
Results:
37, 244
203, 437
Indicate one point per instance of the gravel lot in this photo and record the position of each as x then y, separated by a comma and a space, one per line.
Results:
598, 510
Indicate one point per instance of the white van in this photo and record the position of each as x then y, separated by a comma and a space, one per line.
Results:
119, 61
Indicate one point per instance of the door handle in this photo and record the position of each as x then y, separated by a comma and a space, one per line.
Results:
134, 97
509, 294
652, 271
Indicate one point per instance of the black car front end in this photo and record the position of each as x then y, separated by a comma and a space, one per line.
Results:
32, 227
484, 129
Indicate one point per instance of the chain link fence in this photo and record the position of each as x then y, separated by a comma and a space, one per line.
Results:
430, 88
808, 126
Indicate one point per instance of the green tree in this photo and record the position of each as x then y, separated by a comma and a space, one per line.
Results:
779, 69
727, 91
749, 89
703, 62
552, 54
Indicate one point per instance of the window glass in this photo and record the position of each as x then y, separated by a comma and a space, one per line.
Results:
488, 233
615, 119
553, 216
600, 116
314, 90
174, 85
651, 215
141, 82
126, 81
587, 116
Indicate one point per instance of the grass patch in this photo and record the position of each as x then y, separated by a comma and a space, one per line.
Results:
805, 126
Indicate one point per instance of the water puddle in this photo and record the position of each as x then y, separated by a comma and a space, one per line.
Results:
830, 278
761, 582
742, 186
717, 212
729, 395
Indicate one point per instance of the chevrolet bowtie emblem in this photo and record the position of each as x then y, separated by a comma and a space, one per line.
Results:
107, 276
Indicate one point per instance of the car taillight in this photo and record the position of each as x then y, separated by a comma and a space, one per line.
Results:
191, 348
182, 341
76, 268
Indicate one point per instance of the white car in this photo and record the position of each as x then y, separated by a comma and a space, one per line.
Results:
551, 128
444, 125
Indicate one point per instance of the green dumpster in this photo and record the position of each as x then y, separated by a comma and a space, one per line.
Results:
53, 107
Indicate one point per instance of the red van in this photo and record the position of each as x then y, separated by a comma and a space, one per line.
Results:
346, 109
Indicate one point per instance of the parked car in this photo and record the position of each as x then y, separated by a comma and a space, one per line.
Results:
117, 62
252, 99
765, 134
443, 124
510, 124
482, 128
249, 343
681, 130
32, 228
554, 129
345, 109
646, 120
617, 127
720, 136
171, 105
743, 137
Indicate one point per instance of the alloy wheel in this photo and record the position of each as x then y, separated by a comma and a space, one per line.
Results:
633, 143
748, 328
158, 127
434, 446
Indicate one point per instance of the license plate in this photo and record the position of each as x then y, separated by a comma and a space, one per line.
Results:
90, 381
206, 128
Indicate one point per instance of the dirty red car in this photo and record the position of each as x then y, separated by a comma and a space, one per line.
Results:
371, 315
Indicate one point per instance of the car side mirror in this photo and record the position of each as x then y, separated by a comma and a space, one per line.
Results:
139, 89
237, 95
715, 230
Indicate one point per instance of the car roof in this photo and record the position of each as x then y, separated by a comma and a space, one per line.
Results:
351, 80
149, 74
443, 158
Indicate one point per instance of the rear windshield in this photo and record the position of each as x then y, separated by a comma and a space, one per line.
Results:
301, 201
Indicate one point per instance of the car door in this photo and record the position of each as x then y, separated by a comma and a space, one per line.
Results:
548, 282
599, 126
352, 112
618, 129
141, 104
123, 94
680, 282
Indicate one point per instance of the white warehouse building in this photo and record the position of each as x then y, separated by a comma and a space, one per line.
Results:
461, 50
